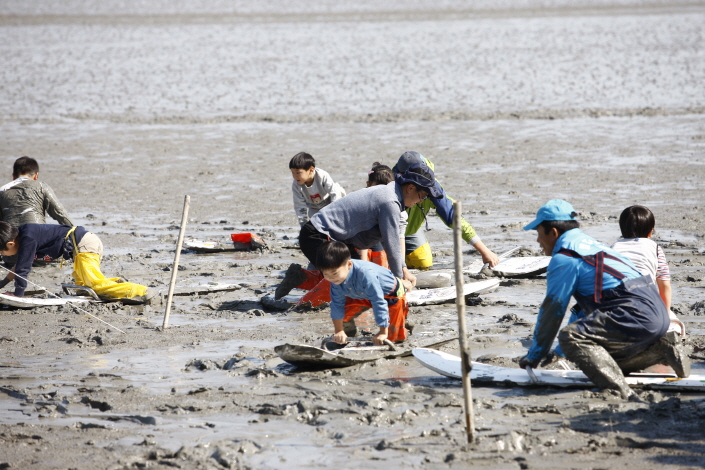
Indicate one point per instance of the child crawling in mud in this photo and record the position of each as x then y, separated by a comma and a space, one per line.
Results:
357, 285
84, 247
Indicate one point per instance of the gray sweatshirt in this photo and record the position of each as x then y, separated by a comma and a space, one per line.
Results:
364, 218
308, 200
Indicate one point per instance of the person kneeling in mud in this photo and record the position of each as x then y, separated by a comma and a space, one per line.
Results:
357, 283
621, 327
68, 242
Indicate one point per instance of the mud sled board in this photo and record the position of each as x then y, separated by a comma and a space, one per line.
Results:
447, 294
356, 351
413, 298
433, 279
240, 242
203, 289
522, 266
332, 354
32, 302
449, 365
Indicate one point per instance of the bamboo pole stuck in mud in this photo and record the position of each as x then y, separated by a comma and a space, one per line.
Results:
460, 304
175, 269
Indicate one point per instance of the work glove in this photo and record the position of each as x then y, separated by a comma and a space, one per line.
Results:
524, 361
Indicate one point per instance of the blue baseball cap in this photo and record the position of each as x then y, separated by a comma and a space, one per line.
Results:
421, 176
555, 209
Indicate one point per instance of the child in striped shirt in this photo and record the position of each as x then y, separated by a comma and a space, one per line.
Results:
637, 226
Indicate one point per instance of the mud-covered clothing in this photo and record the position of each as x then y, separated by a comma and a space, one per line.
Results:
646, 255
56, 241
631, 315
42, 239
369, 281
308, 200
362, 219
444, 209
26, 201
572, 276
370, 285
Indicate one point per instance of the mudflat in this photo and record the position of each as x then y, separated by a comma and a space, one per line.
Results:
129, 108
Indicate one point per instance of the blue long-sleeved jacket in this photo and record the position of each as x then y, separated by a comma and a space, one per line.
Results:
566, 276
365, 280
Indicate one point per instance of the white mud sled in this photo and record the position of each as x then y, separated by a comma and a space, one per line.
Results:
450, 366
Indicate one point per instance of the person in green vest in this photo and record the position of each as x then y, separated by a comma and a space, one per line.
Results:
418, 249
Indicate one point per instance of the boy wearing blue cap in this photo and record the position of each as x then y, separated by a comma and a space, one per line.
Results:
418, 250
622, 325
361, 220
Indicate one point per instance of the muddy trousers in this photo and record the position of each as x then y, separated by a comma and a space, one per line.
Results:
319, 289
86, 272
398, 311
596, 358
310, 240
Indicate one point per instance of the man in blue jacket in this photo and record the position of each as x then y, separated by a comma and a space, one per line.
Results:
622, 323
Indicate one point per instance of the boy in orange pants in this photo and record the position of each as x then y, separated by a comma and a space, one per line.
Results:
367, 285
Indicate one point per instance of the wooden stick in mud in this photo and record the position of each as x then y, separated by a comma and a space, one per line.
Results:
460, 304
175, 269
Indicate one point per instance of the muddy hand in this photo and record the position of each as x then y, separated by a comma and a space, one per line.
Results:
340, 337
524, 361
379, 338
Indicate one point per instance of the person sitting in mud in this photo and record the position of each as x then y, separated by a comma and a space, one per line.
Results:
25, 200
361, 220
637, 226
57, 241
313, 188
366, 284
622, 324
417, 248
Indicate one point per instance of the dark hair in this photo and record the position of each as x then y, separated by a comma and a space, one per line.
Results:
302, 161
380, 174
561, 225
332, 255
636, 222
25, 166
7, 234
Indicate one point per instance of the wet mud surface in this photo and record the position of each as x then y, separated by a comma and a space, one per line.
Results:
208, 392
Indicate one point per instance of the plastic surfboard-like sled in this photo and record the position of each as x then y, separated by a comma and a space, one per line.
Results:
356, 351
522, 266
331, 354
240, 242
447, 294
450, 366
433, 279
413, 298
33, 302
